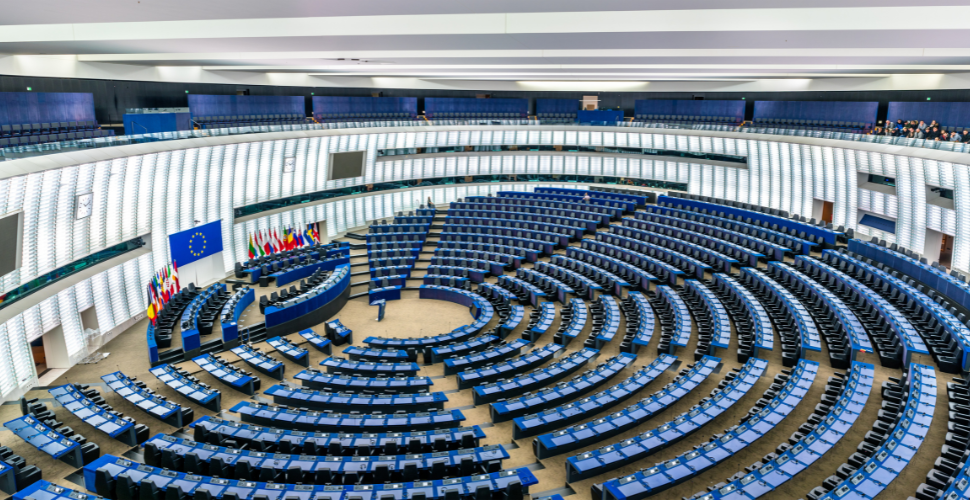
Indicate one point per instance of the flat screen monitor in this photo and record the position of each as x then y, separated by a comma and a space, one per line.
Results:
347, 165
10, 247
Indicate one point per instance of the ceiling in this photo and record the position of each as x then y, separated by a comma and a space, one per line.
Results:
552, 44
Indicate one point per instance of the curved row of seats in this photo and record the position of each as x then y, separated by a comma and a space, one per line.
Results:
572, 321
300, 419
698, 254
674, 317
795, 326
933, 317
573, 224
509, 368
751, 322
507, 409
507, 260
493, 354
771, 243
156, 405
316, 279
354, 402
572, 232
596, 279
540, 320
183, 455
841, 329
605, 315
314, 379
533, 380
216, 431
713, 324
40, 428
537, 211
842, 403
655, 268
468, 347
376, 355
585, 435
233, 376
582, 286
262, 362
496, 247
546, 205
369, 368
596, 205
112, 477
538, 241
630, 273
949, 476
553, 288
640, 322
189, 386
88, 405
554, 418
894, 337
524, 292
763, 216
677, 230
894, 440
732, 388
674, 260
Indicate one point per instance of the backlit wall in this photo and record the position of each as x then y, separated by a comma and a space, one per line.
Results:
168, 191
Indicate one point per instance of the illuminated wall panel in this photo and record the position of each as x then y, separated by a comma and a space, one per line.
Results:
166, 192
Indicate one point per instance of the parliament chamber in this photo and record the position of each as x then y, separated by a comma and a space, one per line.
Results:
436, 251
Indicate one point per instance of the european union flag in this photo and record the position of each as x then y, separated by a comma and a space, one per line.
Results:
196, 243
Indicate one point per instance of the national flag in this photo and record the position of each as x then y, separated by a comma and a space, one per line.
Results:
309, 234
153, 297
252, 249
167, 283
151, 305
259, 243
277, 242
175, 277
290, 241
160, 287
300, 238
264, 244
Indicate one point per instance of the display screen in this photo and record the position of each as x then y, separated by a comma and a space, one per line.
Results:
347, 165
10, 225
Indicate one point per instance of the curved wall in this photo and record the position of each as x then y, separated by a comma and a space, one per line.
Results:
162, 188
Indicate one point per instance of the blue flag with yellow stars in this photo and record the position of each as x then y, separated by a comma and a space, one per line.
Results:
197, 243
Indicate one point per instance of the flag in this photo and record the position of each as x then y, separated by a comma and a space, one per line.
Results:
160, 288
175, 277
166, 285
151, 305
290, 241
309, 234
277, 242
300, 238
316, 232
158, 301
252, 249
267, 249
